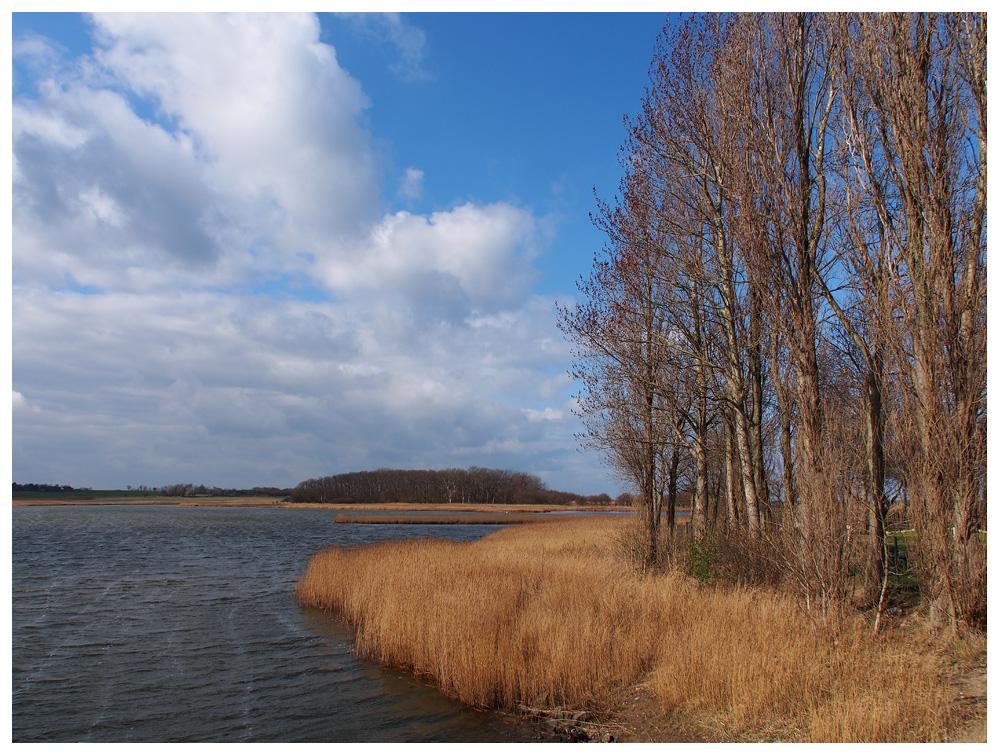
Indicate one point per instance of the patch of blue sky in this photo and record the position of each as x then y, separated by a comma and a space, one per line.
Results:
524, 108
295, 287
75, 287
72, 32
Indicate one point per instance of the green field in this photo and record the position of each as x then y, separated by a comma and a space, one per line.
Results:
87, 495
55, 498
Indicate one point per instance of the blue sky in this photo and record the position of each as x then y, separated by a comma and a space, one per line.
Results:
251, 250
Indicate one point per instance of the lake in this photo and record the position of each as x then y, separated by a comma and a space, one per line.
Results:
151, 623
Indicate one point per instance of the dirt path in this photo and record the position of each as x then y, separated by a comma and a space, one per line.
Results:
640, 719
970, 695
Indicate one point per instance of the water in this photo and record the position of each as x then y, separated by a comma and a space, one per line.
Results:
161, 623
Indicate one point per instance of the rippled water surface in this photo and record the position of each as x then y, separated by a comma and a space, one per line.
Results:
164, 623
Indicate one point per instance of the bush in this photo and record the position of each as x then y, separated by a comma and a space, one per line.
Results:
733, 557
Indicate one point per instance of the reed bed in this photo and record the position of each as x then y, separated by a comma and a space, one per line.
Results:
470, 518
763, 669
547, 614
456, 507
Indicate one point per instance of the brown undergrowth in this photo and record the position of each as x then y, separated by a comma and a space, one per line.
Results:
548, 614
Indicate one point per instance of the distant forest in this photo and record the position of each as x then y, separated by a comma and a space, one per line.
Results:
40, 487
477, 485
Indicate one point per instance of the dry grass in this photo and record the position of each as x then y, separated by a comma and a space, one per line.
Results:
548, 614
402, 506
765, 671
230, 501
470, 518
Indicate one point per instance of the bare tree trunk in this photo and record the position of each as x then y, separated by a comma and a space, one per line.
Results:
716, 499
699, 512
756, 372
733, 501
735, 355
699, 507
875, 573
747, 474
785, 421
652, 499
675, 461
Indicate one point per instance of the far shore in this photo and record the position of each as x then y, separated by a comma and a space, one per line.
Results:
219, 501
175, 501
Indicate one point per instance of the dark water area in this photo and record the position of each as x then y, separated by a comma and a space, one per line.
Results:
149, 623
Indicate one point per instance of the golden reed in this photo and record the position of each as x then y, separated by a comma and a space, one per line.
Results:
548, 614
443, 518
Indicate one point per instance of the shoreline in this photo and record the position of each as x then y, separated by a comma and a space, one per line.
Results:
273, 504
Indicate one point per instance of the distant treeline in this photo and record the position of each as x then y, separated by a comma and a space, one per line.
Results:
40, 487
477, 485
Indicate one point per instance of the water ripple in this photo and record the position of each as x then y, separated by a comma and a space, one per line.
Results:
165, 624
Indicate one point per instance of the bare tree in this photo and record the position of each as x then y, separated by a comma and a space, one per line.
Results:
783, 99
796, 281
922, 146
684, 129
621, 352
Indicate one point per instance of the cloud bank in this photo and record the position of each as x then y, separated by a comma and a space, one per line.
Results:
208, 288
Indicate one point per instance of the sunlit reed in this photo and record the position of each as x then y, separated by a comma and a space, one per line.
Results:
549, 615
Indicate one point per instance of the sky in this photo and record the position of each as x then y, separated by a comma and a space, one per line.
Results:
249, 250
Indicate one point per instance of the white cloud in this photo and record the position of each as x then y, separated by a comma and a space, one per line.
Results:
193, 160
220, 388
549, 413
268, 105
470, 259
413, 184
257, 145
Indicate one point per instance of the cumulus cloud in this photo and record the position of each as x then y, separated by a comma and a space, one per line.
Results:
206, 289
470, 258
549, 413
97, 191
255, 150
268, 105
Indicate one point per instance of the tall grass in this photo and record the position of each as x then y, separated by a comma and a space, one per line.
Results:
758, 665
549, 615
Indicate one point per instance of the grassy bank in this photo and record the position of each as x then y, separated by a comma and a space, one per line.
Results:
549, 615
